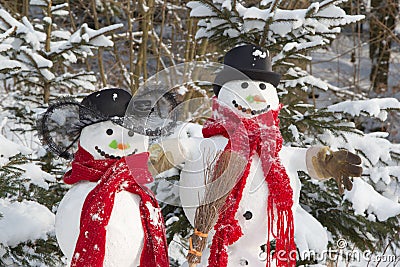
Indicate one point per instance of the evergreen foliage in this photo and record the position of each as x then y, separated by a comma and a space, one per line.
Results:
39, 54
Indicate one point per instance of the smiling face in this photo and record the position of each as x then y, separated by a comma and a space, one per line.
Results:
109, 140
249, 98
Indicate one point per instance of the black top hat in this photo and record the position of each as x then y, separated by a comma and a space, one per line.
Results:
246, 62
107, 103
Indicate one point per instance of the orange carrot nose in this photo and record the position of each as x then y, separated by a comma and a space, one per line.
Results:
258, 98
122, 146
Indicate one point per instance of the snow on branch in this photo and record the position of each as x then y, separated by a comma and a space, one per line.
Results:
366, 200
24, 30
231, 19
39, 3
23, 221
87, 36
22, 50
376, 107
297, 77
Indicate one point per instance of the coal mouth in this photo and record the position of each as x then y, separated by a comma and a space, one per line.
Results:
108, 156
249, 110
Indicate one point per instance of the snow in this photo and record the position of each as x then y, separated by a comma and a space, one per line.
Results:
227, 4
38, 3
61, 12
23, 221
36, 176
4, 47
375, 147
310, 235
154, 212
383, 173
303, 79
87, 35
29, 34
47, 20
295, 131
366, 200
373, 107
7, 65
261, 54
59, 7
47, 74
198, 10
171, 220
9, 149
39, 60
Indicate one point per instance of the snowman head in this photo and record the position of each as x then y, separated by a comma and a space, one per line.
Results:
249, 98
247, 83
109, 140
106, 138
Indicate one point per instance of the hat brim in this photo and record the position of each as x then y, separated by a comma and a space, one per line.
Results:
230, 74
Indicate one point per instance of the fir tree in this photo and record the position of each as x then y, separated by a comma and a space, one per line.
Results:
39, 54
26, 198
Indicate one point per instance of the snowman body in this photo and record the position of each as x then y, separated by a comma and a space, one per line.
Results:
124, 238
251, 214
249, 250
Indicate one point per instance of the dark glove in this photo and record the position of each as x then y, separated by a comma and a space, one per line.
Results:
340, 165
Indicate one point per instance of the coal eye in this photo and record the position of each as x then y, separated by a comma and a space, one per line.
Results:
109, 131
262, 86
131, 133
244, 85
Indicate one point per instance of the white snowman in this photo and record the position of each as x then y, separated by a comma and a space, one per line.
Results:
246, 91
108, 217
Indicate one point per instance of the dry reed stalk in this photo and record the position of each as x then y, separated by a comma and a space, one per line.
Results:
221, 174
100, 50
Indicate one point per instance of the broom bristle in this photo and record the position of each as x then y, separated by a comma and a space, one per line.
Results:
221, 174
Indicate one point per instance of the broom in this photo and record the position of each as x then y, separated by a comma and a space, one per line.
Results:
221, 174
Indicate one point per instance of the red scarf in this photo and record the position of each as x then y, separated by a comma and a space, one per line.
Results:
259, 135
113, 176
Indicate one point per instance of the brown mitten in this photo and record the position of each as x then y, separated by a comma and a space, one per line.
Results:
340, 165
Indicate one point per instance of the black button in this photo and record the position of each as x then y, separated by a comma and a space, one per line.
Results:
248, 215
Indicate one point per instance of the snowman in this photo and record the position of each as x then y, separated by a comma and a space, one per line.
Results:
108, 217
263, 204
